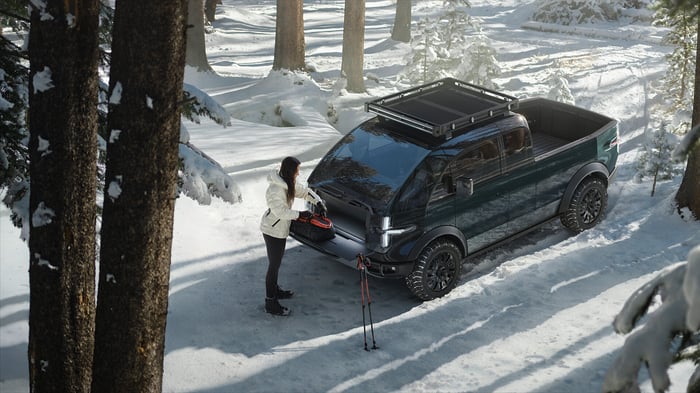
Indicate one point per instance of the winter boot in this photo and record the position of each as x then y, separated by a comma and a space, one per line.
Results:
284, 293
274, 307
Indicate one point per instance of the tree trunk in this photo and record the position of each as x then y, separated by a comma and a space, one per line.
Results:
353, 45
196, 48
63, 155
210, 9
689, 192
696, 91
402, 21
289, 36
140, 186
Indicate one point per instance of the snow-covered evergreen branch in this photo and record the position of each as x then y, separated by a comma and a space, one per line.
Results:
200, 176
669, 330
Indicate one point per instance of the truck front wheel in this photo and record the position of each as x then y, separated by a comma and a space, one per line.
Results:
587, 205
436, 270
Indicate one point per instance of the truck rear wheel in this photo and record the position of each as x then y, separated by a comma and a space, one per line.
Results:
436, 270
587, 205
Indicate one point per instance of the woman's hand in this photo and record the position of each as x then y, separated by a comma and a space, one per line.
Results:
321, 208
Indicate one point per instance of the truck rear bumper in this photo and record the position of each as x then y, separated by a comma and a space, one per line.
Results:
346, 250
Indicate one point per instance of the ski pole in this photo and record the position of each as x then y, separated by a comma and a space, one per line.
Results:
362, 294
369, 308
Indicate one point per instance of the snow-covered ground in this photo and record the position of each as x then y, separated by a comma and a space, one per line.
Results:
535, 315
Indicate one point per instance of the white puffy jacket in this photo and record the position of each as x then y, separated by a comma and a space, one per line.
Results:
278, 217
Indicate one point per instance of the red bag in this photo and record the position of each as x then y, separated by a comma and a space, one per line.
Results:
317, 228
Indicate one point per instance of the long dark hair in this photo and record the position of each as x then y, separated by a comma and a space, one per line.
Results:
287, 171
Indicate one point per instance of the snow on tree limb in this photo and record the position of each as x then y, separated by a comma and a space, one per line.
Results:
202, 177
691, 289
200, 103
653, 344
687, 144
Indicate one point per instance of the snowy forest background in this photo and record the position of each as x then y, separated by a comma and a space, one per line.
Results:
445, 40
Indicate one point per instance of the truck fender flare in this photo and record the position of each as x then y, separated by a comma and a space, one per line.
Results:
593, 168
441, 231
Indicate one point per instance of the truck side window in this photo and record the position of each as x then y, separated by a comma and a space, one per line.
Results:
444, 187
419, 187
517, 146
479, 163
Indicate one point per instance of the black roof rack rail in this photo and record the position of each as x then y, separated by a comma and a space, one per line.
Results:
443, 106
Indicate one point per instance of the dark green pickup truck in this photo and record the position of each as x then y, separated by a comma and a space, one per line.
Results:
448, 169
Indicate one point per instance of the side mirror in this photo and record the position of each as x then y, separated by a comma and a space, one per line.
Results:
465, 186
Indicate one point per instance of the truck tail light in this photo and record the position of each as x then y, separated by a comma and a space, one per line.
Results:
387, 231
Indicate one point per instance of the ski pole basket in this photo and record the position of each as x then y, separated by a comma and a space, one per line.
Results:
443, 106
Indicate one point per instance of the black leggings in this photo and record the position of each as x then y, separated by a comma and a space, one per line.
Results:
275, 250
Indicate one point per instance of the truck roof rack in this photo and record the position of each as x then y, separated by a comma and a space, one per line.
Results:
443, 106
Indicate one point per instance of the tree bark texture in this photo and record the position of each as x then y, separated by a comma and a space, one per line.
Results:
353, 45
63, 148
289, 36
689, 192
146, 80
402, 21
196, 48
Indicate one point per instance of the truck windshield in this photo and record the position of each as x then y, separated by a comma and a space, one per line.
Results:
371, 162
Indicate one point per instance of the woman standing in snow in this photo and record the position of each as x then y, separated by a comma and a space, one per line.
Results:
275, 223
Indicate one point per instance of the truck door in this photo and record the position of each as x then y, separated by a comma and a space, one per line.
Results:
481, 216
520, 176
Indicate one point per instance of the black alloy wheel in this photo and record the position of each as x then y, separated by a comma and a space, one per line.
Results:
436, 270
587, 205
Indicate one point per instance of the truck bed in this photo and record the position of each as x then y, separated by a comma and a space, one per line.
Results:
559, 120
543, 143
555, 124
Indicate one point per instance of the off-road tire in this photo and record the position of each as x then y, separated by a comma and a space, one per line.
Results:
436, 270
587, 206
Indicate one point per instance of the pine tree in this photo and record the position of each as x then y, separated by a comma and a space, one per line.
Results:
352, 62
289, 36
402, 22
421, 65
559, 88
479, 65
437, 47
148, 61
655, 160
63, 59
454, 21
682, 82
14, 156
13, 14
678, 82
199, 178
571, 12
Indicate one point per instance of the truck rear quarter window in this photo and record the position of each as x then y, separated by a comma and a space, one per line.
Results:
517, 147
